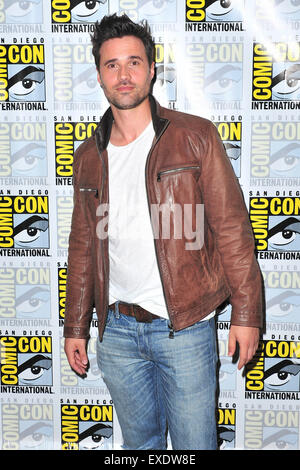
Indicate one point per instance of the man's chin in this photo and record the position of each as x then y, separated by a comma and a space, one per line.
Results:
128, 103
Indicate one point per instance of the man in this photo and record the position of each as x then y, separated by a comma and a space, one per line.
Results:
155, 293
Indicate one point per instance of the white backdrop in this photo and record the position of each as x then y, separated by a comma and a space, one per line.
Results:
235, 62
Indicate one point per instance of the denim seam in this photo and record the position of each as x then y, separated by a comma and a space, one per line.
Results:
162, 438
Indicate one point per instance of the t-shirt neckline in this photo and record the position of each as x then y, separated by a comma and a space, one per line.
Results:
144, 132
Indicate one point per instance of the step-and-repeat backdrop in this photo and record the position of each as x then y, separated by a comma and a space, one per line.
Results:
235, 62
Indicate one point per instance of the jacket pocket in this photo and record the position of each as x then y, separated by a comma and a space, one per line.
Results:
171, 171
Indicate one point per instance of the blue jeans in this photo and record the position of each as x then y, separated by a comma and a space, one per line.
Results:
157, 382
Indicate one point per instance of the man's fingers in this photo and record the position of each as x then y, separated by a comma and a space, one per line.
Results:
81, 361
75, 350
247, 352
81, 357
231, 343
245, 356
248, 340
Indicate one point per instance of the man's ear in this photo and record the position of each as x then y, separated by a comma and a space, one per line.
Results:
99, 78
152, 70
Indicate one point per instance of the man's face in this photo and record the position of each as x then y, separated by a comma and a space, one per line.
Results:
124, 72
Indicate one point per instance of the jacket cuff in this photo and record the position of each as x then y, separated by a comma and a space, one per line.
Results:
76, 332
252, 320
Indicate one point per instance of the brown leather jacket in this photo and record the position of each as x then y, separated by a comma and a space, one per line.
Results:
186, 165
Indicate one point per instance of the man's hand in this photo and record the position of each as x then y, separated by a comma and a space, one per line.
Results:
75, 349
247, 338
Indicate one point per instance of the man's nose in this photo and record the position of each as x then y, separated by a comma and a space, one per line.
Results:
124, 72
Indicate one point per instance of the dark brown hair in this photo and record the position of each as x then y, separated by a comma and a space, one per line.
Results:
113, 26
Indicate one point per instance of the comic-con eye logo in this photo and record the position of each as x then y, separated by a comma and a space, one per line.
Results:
22, 73
154, 11
275, 149
213, 10
276, 223
282, 291
271, 429
274, 368
21, 12
26, 361
32, 424
25, 293
78, 11
23, 149
276, 73
24, 222
74, 77
215, 74
86, 427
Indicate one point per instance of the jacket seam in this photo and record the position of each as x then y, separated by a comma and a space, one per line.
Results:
215, 238
82, 291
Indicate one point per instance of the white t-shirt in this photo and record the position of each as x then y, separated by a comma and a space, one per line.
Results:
134, 273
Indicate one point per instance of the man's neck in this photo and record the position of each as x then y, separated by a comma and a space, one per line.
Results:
129, 123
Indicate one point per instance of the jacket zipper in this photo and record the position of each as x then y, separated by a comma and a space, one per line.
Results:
90, 190
174, 170
171, 334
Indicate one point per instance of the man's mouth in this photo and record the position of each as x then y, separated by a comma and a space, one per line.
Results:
125, 88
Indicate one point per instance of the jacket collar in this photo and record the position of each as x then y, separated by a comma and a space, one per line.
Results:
103, 130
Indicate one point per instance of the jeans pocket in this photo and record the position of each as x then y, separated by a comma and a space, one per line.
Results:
118, 321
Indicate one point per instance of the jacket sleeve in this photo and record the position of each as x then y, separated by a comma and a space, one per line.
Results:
228, 219
80, 284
